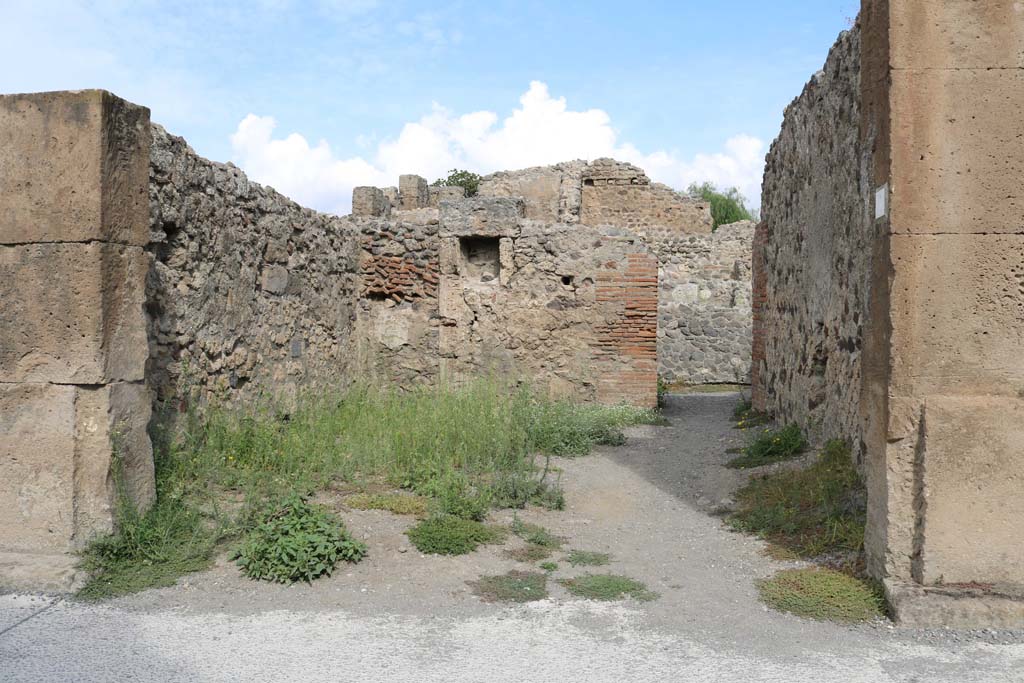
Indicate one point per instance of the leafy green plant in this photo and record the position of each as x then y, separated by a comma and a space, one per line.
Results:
515, 586
549, 566
585, 558
398, 503
770, 447
467, 180
608, 587
746, 416
727, 206
217, 468
823, 594
535, 534
296, 541
448, 535
816, 511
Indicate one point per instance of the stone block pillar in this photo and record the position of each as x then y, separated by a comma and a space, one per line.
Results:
943, 389
759, 296
74, 408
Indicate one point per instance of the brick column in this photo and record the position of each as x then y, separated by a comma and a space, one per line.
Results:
627, 348
74, 217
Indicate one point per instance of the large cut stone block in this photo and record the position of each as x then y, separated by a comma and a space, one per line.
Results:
64, 451
957, 151
482, 217
973, 479
954, 34
74, 167
957, 314
72, 313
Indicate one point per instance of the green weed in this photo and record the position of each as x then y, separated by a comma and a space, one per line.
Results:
467, 448
770, 447
452, 535
296, 541
608, 587
549, 566
823, 594
536, 535
811, 512
398, 503
515, 586
584, 558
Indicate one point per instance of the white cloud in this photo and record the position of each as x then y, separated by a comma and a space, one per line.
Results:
542, 130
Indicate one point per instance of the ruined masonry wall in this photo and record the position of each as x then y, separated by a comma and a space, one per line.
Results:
817, 256
704, 312
249, 293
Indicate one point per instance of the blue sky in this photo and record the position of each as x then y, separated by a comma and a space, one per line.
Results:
315, 97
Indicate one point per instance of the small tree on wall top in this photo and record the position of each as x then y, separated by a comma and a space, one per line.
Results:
727, 206
467, 180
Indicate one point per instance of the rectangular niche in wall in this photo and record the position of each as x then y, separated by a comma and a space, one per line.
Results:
481, 260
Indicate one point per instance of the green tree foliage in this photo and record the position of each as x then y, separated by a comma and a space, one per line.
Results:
467, 180
728, 206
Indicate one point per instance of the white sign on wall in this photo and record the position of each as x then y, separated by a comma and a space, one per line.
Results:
882, 202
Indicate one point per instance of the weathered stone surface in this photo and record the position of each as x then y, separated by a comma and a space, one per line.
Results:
249, 292
958, 165
818, 255
935, 34
482, 217
413, 192
553, 194
72, 313
73, 168
704, 309
963, 607
58, 467
369, 202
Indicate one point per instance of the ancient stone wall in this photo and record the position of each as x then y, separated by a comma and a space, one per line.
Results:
892, 254
73, 404
704, 311
704, 314
817, 256
249, 292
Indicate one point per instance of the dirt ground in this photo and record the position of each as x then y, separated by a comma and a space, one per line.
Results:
653, 504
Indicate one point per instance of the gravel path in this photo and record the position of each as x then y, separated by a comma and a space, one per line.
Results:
400, 616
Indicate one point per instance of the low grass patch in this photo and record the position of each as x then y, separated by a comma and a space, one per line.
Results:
529, 553
585, 558
771, 446
397, 503
549, 566
535, 534
812, 512
466, 449
823, 594
608, 587
448, 535
515, 586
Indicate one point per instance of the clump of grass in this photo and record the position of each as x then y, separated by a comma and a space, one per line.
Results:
529, 553
608, 587
816, 511
515, 586
536, 535
770, 447
549, 566
448, 535
397, 503
484, 436
296, 541
823, 594
585, 558
568, 429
